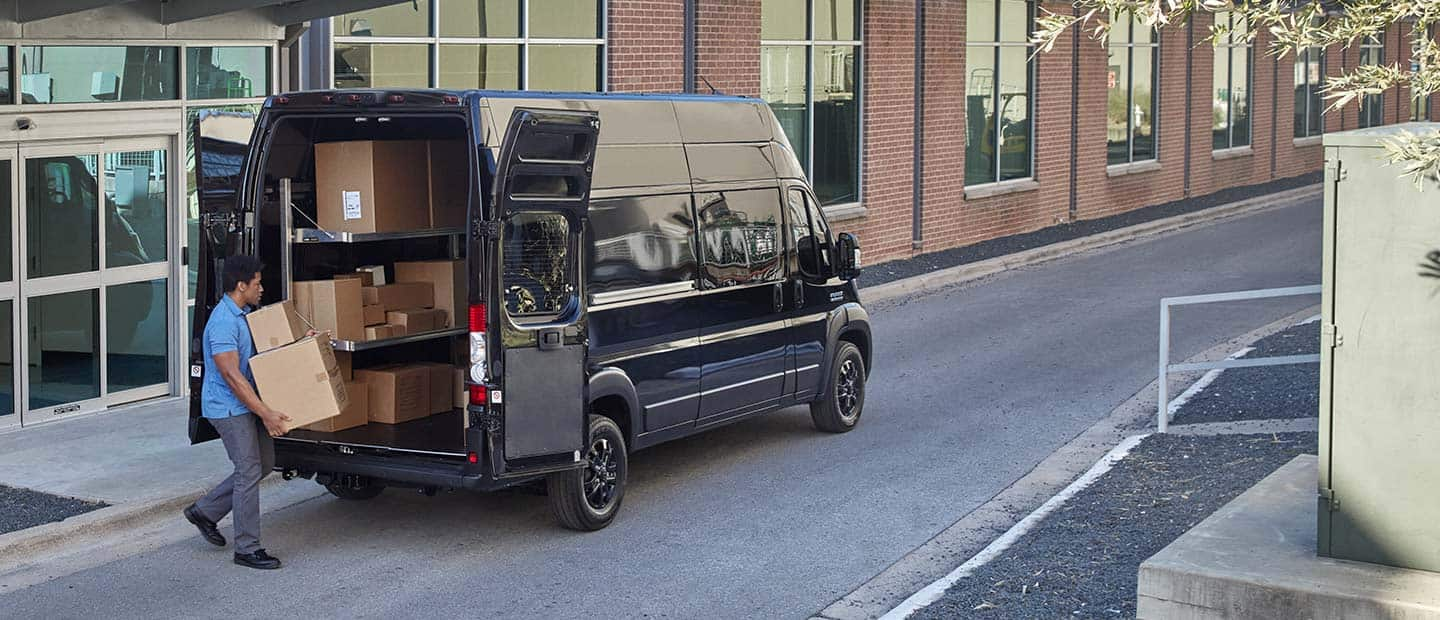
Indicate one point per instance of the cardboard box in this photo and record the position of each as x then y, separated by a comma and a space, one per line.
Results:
332, 305
366, 278
377, 274
415, 320
401, 295
447, 284
357, 413
382, 331
347, 367
462, 397
442, 394
374, 314
397, 393
364, 186
449, 183
370, 296
275, 325
301, 380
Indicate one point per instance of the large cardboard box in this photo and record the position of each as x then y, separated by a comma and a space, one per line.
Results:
447, 283
275, 325
364, 186
301, 380
416, 320
347, 366
374, 314
442, 396
370, 295
366, 278
449, 183
402, 295
357, 413
397, 393
332, 305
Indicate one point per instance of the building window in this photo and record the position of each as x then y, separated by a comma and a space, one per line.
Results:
998, 83
1309, 80
227, 72
1372, 107
1231, 120
92, 73
810, 76
1419, 103
1130, 109
464, 44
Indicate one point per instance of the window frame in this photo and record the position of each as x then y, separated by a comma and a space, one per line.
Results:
1371, 105
995, 108
524, 41
810, 43
1129, 45
1229, 45
1310, 89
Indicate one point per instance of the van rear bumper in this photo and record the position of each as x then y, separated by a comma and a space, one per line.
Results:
397, 469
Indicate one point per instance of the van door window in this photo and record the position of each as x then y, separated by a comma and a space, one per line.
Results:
808, 235
639, 242
740, 233
538, 276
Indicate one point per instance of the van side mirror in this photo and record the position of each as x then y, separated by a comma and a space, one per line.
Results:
847, 256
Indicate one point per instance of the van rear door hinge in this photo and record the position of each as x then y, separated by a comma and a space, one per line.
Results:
1328, 495
1330, 335
1334, 172
488, 229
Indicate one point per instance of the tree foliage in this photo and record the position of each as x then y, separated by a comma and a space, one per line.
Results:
1292, 26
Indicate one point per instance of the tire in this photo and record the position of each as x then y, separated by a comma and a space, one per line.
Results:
366, 490
838, 408
587, 499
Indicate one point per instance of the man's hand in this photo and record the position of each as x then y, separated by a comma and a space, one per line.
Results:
275, 422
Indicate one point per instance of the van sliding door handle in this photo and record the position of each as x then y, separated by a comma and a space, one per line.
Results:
778, 296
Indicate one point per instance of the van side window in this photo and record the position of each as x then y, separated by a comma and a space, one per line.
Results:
808, 235
740, 234
537, 266
640, 242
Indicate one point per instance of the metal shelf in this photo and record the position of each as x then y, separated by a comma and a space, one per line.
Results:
316, 235
352, 345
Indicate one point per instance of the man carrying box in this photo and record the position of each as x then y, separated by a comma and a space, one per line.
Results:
245, 423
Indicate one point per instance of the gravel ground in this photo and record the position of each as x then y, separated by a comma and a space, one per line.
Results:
1265, 393
22, 508
1081, 560
895, 270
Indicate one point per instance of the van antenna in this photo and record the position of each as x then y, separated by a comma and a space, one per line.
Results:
712, 88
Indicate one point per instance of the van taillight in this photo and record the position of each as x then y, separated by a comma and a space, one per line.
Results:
477, 318
397, 98
473, 458
450, 99
282, 100
479, 394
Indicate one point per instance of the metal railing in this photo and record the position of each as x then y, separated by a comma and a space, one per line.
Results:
1162, 408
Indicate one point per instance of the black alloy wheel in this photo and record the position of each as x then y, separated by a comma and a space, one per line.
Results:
589, 497
838, 407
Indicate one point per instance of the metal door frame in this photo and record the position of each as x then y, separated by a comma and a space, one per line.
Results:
9, 291
99, 279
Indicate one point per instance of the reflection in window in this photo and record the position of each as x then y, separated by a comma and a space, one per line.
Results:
65, 350
1372, 107
7, 358
137, 329
7, 272
1309, 80
367, 65
408, 19
564, 67
1130, 109
5, 97
61, 203
135, 189
821, 118
809, 238
222, 166
998, 76
640, 242
480, 18
537, 265
1230, 119
740, 234
227, 72
89, 74
480, 66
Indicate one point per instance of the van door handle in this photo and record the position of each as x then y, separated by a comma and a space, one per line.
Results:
778, 296
799, 294
550, 339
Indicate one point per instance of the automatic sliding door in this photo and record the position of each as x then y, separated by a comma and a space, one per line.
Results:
8, 218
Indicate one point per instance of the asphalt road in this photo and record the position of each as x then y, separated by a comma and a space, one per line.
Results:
972, 387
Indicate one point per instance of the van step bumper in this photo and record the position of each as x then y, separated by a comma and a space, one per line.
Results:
396, 469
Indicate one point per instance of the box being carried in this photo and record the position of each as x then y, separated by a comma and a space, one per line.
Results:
302, 380
275, 325
357, 413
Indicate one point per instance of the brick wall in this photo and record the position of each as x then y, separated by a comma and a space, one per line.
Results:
646, 46
727, 46
888, 97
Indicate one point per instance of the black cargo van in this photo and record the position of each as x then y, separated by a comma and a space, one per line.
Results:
639, 268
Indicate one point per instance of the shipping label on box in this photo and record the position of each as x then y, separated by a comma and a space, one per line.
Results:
331, 305
301, 380
275, 325
397, 393
352, 205
447, 283
357, 413
402, 295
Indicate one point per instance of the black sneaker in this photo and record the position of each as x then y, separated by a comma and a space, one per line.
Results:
259, 559
207, 528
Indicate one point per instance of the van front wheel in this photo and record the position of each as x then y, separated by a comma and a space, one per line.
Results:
588, 498
838, 408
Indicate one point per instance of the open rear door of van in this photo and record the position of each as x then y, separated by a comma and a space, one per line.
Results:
542, 191
222, 148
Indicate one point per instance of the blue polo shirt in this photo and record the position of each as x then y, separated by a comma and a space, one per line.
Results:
225, 331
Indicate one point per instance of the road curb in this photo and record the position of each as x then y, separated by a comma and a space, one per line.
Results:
950, 276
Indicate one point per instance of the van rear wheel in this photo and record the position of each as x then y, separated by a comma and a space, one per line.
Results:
588, 498
838, 408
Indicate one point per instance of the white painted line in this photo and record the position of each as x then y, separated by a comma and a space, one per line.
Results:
1203, 383
1308, 321
931, 593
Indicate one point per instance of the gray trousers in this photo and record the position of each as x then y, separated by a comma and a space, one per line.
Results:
253, 452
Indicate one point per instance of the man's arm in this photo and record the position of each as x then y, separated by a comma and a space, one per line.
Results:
228, 363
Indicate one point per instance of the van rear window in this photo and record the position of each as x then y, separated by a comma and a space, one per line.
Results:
538, 266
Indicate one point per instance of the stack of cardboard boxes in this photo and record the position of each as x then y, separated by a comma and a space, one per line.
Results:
427, 296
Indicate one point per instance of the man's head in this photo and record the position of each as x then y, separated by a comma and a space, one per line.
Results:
242, 278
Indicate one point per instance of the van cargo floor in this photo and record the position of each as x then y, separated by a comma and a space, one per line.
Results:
441, 433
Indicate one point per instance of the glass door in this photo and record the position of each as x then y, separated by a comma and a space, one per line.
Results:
9, 328
96, 300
